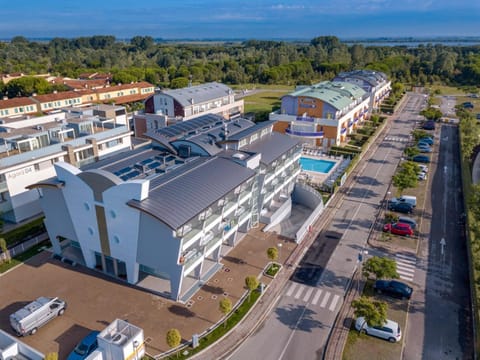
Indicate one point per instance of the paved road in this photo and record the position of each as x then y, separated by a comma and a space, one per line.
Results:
299, 326
439, 324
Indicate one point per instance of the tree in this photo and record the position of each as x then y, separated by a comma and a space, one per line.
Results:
225, 306
406, 176
51, 356
431, 113
173, 338
272, 253
252, 283
4, 248
381, 267
179, 82
374, 312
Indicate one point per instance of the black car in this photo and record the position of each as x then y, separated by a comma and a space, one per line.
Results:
393, 288
429, 125
421, 159
401, 207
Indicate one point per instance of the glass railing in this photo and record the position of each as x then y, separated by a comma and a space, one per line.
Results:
188, 262
211, 219
304, 133
191, 234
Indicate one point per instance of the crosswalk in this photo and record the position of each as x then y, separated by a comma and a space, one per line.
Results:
406, 266
396, 139
317, 297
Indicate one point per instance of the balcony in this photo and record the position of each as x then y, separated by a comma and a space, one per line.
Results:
350, 123
309, 134
210, 221
191, 259
305, 118
343, 131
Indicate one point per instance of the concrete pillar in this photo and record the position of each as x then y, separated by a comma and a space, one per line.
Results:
132, 271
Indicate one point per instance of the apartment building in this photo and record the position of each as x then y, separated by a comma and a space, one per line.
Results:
163, 217
38, 104
193, 101
375, 83
30, 146
322, 115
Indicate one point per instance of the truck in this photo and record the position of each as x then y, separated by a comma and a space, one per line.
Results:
28, 319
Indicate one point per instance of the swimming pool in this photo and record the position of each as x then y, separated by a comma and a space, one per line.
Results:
317, 165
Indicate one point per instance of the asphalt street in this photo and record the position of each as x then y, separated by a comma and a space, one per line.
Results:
439, 322
299, 325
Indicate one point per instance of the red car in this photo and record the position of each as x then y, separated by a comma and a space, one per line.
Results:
398, 229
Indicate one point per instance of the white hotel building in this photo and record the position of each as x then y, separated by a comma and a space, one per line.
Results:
163, 217
30, 146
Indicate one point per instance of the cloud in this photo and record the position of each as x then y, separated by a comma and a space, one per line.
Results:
287, 7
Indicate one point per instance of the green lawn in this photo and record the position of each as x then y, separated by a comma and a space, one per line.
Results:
24, 256
265, 100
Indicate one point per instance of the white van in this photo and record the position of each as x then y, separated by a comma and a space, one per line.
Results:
410, 199
28, 319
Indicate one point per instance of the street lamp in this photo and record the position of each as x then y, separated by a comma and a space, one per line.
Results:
280, 251
135, 346
388, 199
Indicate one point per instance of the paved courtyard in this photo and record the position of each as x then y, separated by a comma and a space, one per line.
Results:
95, 300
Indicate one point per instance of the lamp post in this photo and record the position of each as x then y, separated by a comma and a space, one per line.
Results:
280, 251
135, 346
388, 199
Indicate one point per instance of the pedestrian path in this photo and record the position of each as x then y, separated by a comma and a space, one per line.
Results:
315, 296
406, 266
397, 139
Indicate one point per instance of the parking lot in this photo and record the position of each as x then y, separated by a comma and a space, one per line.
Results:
95, 300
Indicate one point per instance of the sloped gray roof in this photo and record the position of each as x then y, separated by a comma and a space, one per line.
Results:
251, 130
176, 198
199, 93
272, 146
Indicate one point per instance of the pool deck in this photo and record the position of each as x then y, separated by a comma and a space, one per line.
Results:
314, 176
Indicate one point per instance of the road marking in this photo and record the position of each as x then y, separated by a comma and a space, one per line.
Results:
299, 292
316, 297
406, 266
325, 300
291, 289
307, 295
412, 259
334, 303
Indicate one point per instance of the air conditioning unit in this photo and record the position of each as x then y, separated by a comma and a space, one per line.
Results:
119, 339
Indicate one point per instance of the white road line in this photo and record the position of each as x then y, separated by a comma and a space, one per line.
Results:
334, 303
325, 300
406, 266
291, 289
406, 257
316, 297
299, 292
406, 273
307, 295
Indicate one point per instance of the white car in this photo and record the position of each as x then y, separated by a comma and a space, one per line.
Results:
423, 168
389, 331
422, 176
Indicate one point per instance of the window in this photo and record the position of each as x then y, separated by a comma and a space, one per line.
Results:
4, 196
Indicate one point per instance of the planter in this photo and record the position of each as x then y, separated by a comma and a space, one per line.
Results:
272, 269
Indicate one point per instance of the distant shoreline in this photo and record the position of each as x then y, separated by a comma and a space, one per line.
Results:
365, 41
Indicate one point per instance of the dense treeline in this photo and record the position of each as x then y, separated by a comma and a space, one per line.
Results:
254, 61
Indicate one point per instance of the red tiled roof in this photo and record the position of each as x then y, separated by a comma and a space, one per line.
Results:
124, 86
20, 101
126, 99
58, 96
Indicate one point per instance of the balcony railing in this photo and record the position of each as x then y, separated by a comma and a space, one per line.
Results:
304, 133
305, 118
343, 131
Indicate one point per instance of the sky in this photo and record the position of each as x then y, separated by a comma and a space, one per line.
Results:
240, 19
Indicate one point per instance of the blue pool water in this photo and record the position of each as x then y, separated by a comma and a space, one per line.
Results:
317, 165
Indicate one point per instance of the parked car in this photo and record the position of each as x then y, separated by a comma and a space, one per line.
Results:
424, 148
411, 199
389, 331
424, 143
398, 229
407, 220
429, 125
393, 288
422, 176
467, 105
423, 168
405, 208
426, 139
85, 347
421, 159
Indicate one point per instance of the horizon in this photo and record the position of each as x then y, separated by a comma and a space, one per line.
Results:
190, 19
